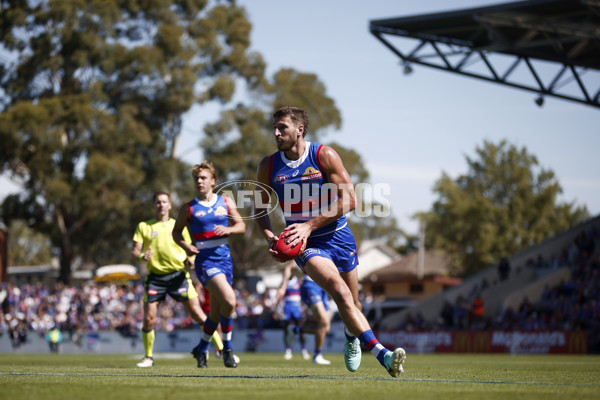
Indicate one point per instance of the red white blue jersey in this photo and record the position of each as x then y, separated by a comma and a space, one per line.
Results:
292, 291
292, 307
302, 188
203, 218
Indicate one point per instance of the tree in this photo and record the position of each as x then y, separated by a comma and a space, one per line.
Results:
27, 247
92, 101
503, 205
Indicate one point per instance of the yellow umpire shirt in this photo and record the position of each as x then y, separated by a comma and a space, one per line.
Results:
167, 256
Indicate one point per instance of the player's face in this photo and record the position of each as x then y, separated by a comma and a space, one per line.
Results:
162, 204
286, 133
205, 182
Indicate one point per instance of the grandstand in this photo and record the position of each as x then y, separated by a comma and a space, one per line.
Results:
565, 266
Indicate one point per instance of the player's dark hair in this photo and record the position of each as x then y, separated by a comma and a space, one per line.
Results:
298, 115
158, 193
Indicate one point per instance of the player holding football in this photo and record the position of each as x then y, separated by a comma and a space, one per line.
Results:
165, 261
315, 192
211, 219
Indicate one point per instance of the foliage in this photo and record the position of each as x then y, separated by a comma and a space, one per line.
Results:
504, 204
92, 101
27, 247
92, 104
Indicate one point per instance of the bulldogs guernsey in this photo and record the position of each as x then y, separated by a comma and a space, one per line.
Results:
292, 292
303, 190
292, 307
203, 218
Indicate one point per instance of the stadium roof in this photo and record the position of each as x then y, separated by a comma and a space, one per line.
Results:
551, 47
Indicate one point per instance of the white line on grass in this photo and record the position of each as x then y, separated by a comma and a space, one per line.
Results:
303, 377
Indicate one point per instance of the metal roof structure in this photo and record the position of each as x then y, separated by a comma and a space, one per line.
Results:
551, 47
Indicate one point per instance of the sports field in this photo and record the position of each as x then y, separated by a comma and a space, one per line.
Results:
269, 376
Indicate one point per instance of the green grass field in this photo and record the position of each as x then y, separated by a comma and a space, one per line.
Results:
269, 376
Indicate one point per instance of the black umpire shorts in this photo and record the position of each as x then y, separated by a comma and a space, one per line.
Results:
177, 284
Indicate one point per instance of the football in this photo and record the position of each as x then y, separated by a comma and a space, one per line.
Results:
285, 251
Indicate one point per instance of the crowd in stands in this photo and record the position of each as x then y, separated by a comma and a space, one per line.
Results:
573, 304
91, 307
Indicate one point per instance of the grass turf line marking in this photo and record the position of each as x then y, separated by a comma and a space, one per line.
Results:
302, 377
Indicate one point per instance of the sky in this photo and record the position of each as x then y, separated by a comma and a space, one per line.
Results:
409, 129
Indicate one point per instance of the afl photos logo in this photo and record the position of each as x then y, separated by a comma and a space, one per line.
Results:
252, 199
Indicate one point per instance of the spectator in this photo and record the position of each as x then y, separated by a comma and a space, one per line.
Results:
447, 315
477, 312
504, 269
54, 337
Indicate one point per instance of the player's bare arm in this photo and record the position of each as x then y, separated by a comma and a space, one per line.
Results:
180, 224
237, 227
136, 250
263, 220
287, 274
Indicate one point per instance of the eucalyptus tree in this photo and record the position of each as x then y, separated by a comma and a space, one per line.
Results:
505, 203
92, 100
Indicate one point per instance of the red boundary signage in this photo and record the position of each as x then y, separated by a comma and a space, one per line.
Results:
516, 342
